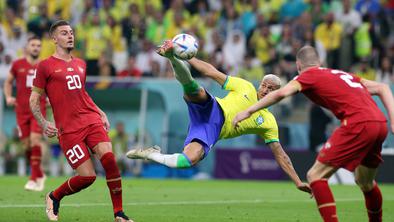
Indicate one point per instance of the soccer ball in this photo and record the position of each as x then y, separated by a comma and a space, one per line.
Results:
185, 46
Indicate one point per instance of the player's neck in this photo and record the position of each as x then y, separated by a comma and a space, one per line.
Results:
63, 54
32, 60
308, 68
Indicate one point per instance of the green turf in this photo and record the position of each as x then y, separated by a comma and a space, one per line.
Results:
186, 200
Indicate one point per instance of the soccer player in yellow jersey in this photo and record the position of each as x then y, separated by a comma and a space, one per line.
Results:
210, 117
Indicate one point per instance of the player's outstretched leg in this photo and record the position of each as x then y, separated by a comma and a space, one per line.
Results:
114, 180
86, 176
191, 155
373, 197
318, 179
182, 73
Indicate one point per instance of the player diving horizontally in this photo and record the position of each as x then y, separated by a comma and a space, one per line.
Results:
210, 117
356, 144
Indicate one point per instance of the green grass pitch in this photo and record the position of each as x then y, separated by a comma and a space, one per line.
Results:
186, 200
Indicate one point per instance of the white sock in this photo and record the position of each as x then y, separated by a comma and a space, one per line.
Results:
169, 160
181, 70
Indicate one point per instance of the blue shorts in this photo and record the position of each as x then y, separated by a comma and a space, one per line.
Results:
206, 121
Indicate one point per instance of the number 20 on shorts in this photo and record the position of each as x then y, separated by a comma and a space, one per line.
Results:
74, 154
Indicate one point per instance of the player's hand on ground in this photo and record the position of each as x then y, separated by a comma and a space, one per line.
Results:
10, 101
105, 121
239, 117
50, 129
304, 187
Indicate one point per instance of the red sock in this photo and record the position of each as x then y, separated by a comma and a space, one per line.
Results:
73, 185
27, 158
114, 181
35, 163
373, 202
325, 200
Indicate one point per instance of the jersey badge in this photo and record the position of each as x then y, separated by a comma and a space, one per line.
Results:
259, 120
58, 70
246, 97
69, 69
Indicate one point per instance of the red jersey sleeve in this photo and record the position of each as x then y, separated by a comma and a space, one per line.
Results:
13, 69
40, 76
306, 79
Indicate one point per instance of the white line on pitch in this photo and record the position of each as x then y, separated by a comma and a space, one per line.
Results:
201, 202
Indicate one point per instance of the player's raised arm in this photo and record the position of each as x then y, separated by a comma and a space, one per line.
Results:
208, 70
285, 163
386, 96
10, 100
49, 128
273, 97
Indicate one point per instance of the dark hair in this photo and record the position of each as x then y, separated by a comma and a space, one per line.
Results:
57, 24
33, 37
308, 56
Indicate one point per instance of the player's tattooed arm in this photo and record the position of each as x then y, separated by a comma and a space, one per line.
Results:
49, 128
285, 163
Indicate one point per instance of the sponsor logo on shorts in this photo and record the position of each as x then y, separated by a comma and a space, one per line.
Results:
259, 120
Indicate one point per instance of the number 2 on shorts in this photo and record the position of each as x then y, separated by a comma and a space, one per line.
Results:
74, 154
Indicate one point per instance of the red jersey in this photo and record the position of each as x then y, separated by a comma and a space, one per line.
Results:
64, 84
23, 73
340, 92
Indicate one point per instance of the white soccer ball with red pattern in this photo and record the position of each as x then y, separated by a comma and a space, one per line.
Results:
185, 46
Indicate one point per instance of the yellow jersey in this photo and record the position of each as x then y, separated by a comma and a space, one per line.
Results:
241, 96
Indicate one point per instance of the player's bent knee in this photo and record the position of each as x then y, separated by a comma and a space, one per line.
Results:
364, 185
312, 175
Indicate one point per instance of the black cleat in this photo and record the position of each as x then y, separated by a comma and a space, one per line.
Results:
52, 207
121, 217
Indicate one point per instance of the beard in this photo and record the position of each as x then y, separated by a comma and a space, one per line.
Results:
69, 49
34, 56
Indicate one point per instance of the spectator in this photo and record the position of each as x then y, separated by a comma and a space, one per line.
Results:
251, 69
329, 34
363, 40
120, 142
234, 51
350, 20
364, 70
131, 70
385, 73
292, 9
97, 41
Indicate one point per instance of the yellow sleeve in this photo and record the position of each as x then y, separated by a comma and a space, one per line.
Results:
236, 84
271, 134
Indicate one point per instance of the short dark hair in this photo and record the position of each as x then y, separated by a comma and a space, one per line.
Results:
33, 37
56, 24
308, 56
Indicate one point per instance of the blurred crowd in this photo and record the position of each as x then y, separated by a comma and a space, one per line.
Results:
240, 37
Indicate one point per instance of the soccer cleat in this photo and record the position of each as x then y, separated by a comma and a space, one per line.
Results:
41, 183
121, 217
52, 207
31, 185
140, 153
166, 49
